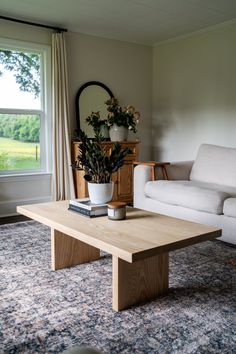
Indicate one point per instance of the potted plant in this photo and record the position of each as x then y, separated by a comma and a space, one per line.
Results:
99, 125
98, 167
121, 119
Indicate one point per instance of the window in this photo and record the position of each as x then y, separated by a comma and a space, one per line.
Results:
24, 109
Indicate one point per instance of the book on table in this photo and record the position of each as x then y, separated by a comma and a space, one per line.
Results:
85, 207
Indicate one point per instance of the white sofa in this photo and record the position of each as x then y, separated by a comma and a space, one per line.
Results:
203, 190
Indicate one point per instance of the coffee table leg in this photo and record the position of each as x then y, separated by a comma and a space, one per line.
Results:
139, 281
66, 251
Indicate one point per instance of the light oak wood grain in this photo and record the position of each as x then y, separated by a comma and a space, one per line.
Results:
137, 282
139, 246
67, 251
141, 235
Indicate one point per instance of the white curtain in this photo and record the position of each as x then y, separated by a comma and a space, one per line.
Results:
63, 187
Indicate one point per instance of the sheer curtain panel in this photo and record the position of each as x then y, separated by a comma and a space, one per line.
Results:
63, 187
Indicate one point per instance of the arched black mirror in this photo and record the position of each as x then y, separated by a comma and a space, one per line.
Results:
91, 96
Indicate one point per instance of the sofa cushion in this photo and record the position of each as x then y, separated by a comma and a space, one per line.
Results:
189, 194
229, 208
215, 164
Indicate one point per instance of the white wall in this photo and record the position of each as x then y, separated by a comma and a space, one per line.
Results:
194, 93
125, 68
24, 33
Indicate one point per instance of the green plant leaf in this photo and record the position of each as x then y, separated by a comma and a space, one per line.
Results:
94, 160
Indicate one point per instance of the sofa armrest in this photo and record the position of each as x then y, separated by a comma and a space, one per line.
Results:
143, 174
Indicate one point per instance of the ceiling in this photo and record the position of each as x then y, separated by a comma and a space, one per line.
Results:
140, 21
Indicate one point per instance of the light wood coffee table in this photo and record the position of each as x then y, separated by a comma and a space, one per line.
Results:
139, 245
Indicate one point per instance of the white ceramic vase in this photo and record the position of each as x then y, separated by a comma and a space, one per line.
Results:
100, 193
118, 133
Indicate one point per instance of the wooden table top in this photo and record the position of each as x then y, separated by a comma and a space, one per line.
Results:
142, 234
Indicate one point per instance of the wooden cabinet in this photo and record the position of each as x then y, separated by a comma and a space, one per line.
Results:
123, 178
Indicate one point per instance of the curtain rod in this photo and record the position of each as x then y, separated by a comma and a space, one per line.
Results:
58, 29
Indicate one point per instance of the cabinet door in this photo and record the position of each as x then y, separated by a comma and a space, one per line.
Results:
81, 186
114, 178
125, 181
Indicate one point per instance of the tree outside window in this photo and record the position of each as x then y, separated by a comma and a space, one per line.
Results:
21, 112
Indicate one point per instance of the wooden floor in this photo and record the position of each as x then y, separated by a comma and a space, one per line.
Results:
13, 219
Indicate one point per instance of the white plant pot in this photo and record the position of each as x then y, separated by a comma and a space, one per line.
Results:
118, 133
100, 193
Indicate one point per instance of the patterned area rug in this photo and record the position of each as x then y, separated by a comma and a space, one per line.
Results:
47, 312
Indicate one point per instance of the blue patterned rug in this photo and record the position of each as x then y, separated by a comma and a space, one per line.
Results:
47, 312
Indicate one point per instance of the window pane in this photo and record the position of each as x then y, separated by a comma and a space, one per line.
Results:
19, 80
19, 142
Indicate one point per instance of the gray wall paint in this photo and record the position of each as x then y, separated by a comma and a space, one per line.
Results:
194, 93
124, 67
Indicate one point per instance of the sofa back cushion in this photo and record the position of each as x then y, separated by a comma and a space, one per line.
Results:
215, 164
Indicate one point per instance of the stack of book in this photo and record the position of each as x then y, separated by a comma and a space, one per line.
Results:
85, 207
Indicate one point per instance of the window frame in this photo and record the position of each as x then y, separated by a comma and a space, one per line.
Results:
45, 101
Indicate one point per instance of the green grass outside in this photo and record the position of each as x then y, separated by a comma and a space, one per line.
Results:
18, 155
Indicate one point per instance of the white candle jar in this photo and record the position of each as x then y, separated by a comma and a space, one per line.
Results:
116, 211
